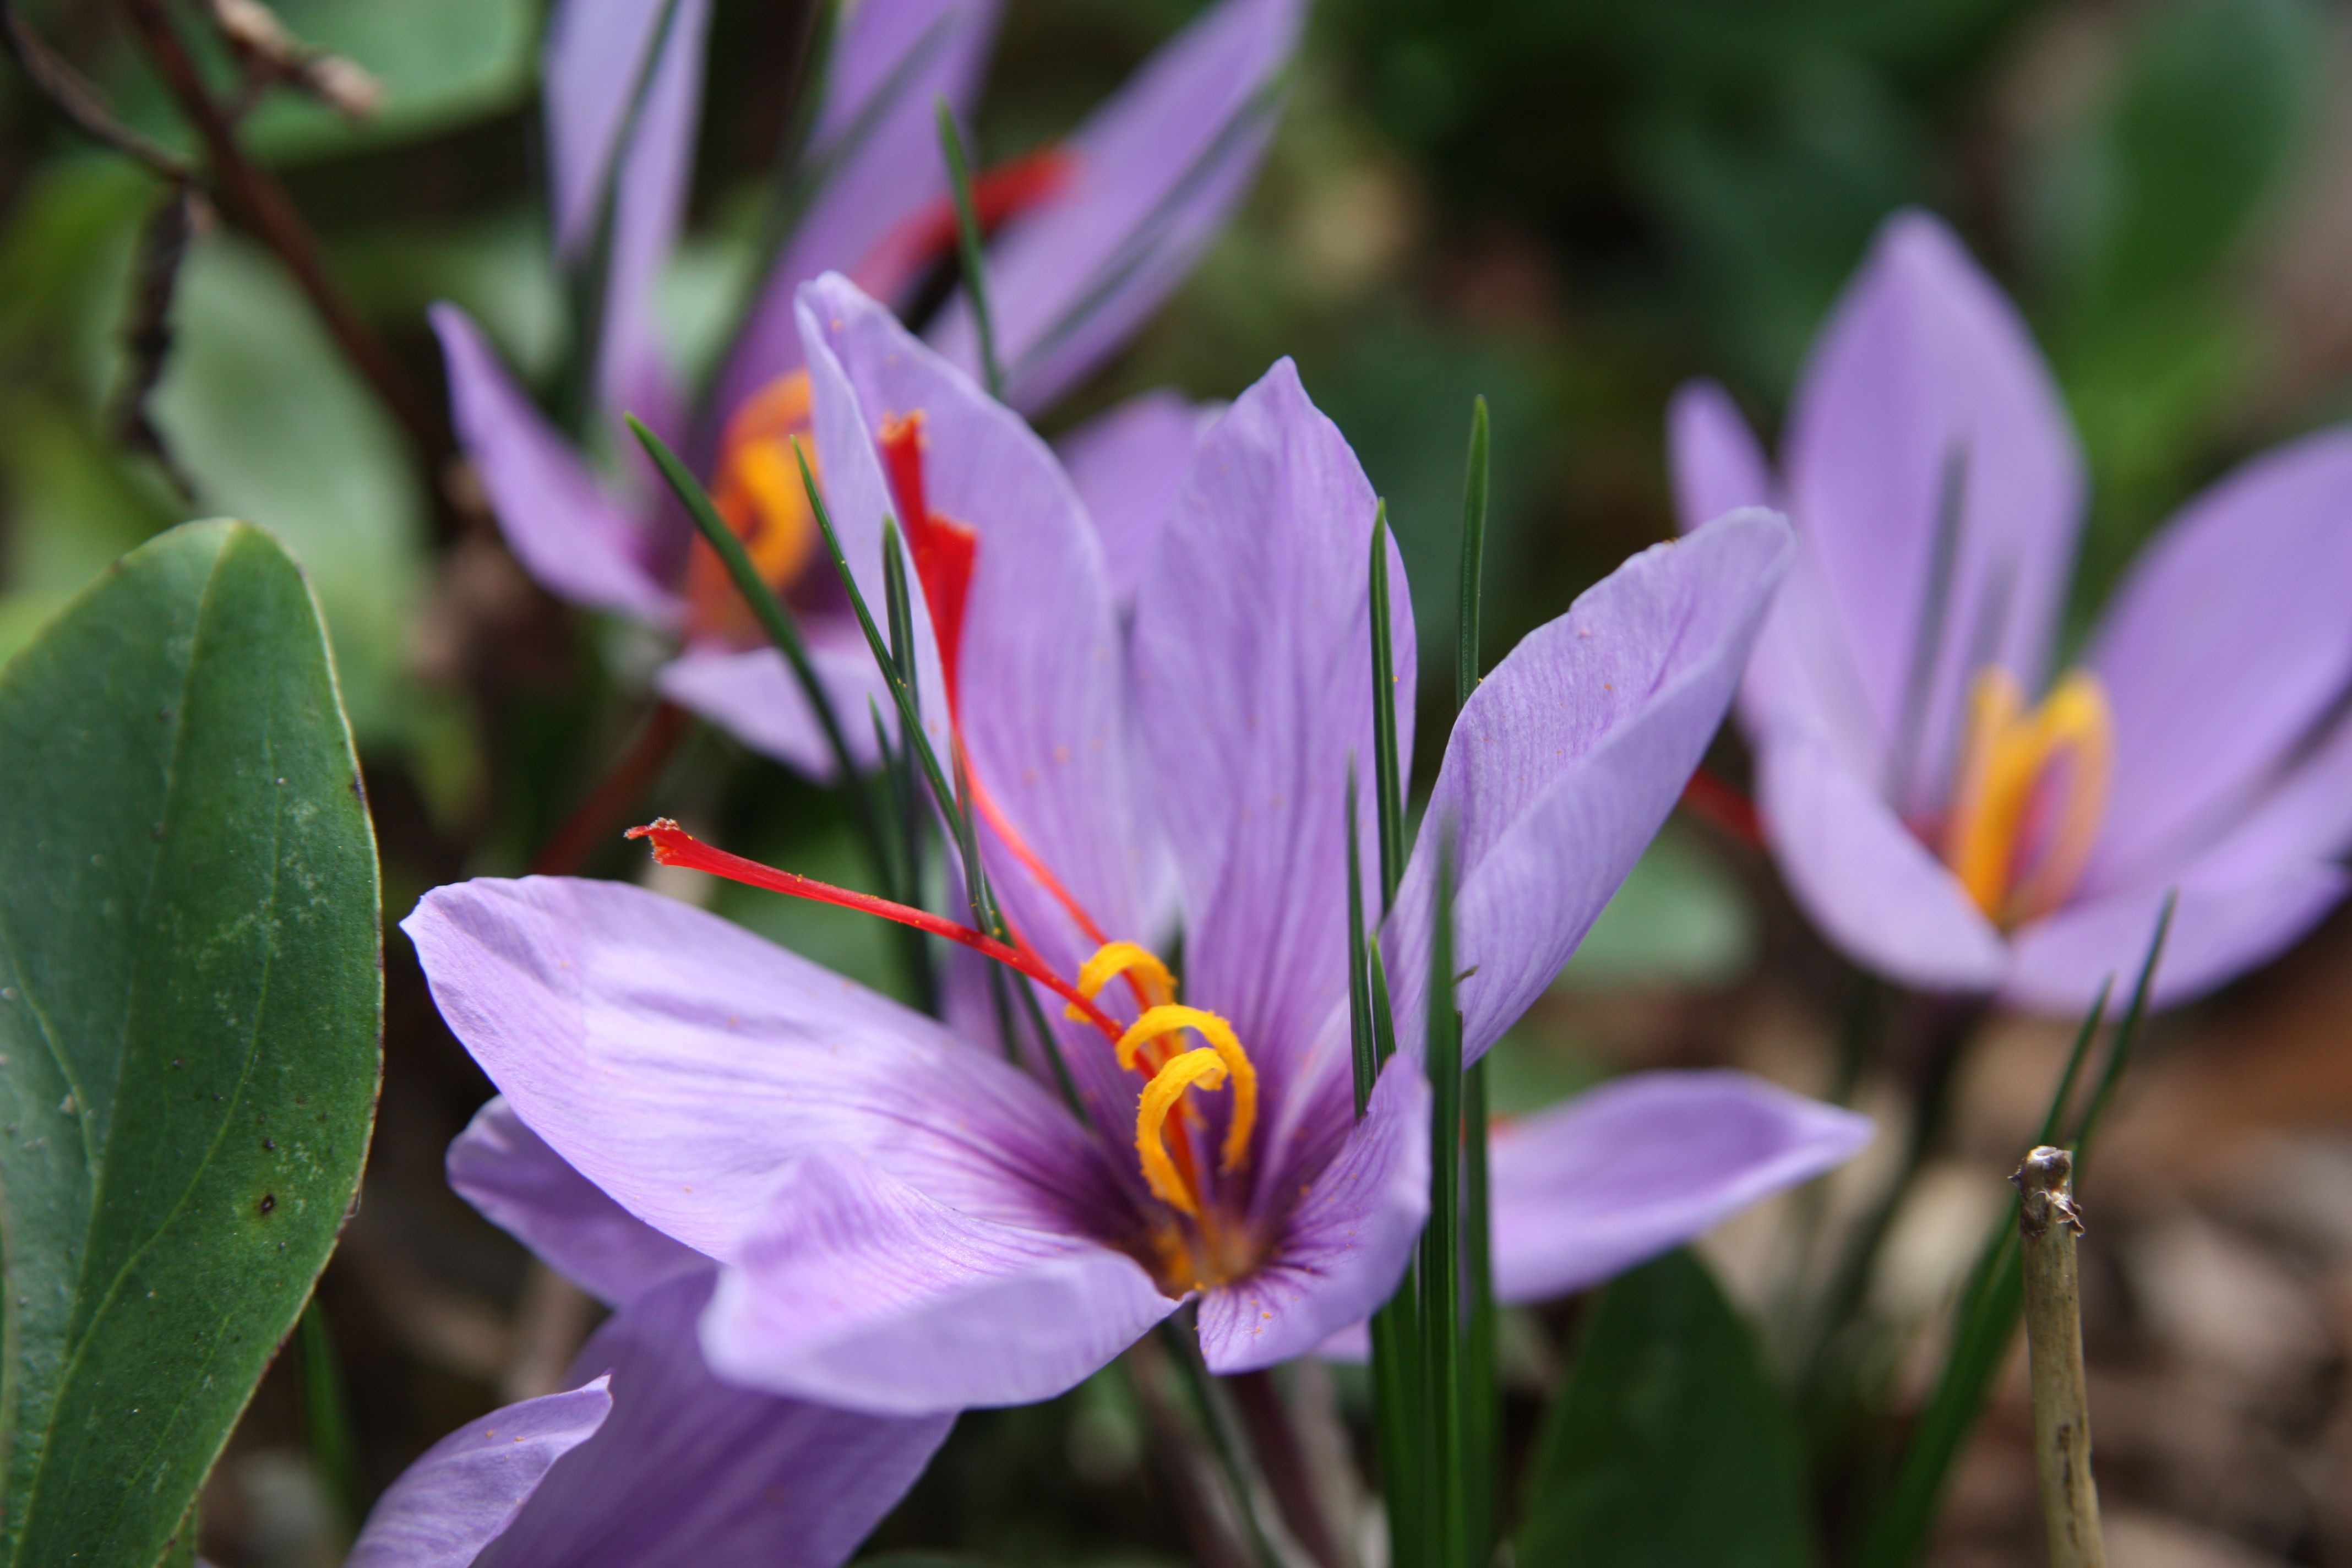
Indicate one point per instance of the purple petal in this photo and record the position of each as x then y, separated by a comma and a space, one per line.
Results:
691, 1472
1924, 359
1717, 466
2219, 932
2222, 649
1252, 674
860, 1291
560, 524
1801, 667
1343, 1248
2305, 816
1872, 887
1045, 707
594, 58
1566, 759
678, 1062
1127, 465
892, 61
753, 696
1647, 1163
648, 206
468, 1487
1159, 168
522, 1187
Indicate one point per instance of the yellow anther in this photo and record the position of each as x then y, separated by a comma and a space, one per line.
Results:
1200, 1069
1223, 1045
757, 490
2009, 762
1114, 959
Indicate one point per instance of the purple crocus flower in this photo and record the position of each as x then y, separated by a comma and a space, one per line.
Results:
904, 1219
1950, 813
1095, 233
649, 1463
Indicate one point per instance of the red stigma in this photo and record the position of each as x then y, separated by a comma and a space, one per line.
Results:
1711, 799
944, 551
998, 196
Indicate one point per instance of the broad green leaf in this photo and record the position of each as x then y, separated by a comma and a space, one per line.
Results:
440, 63
1668, 1447
190, 1003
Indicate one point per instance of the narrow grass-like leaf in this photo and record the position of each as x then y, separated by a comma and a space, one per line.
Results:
1983, 1321
191, 1001
969, 248
1943, 559
1668, 1442
1481, 1410
1388, 776
895, 771
1359, 990
326, 1417
1986, 1319
1441, 1240
1474, 557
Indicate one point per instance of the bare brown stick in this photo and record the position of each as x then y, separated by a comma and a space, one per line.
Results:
73, 96
2048, 1223
147, 331
257, 203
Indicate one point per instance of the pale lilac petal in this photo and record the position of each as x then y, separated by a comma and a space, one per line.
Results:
1566, 761
752, 695
1924, 358
1343, 1248
877, 141
2225, 645
468, 1487
691, 1472
678, 1062
1872, 887
524, 1187
1801, 669
1159, 169
1717, 466
860, 1291
595, 56
1645, 1163
2220, 930
1127, 465
2305, 815
648, 206
560, 522
1253, 688
1044, 708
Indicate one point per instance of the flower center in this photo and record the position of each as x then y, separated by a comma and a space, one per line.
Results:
758, 492
2031, 793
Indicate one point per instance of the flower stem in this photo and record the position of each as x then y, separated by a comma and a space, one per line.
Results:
968, 244
2048, 1222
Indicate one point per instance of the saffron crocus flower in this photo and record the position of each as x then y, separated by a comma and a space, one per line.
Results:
1092, 234
1949, 811
650, 1463
907, 1220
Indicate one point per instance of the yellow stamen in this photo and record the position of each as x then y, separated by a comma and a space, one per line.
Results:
2007, 759
1202, 1069
1114, 959
1223, 1045
757, 490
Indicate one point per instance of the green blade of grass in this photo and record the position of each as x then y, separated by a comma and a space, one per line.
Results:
968, 246
1445, 1526
1387, 772
1474, 557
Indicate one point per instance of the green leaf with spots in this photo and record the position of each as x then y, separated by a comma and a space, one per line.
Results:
1668, 1447
190, 1008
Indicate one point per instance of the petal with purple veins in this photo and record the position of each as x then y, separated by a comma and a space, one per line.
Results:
1619, 1175
857, 1289
471, 1486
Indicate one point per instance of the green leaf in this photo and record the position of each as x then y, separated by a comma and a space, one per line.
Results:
1668, 1447
273, 427
441, 63
190, 1005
